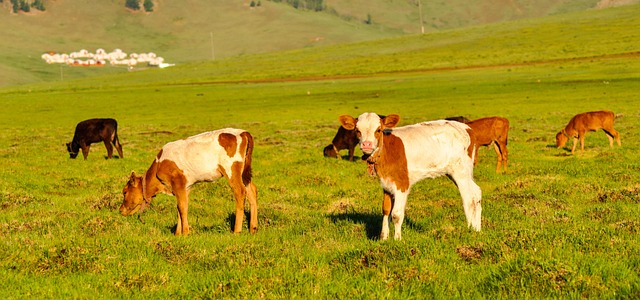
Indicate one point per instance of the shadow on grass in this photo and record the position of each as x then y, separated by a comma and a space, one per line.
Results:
372, 222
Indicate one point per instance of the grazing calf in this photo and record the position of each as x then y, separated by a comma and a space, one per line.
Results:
492, 130
402, 156
589, 121
344, 139
95, 131
204, 157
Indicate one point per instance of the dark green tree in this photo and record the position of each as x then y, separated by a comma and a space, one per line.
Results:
15, 6
132, 4
38, 4
24, 6
148, 5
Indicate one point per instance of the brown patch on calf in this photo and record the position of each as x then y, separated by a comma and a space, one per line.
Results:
391, 163
472, 144
246, 147
229, 142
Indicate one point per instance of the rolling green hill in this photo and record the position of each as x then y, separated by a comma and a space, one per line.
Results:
198, 30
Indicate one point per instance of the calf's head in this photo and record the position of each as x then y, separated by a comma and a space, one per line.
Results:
133, 199
561, 139
369, 128
73, 149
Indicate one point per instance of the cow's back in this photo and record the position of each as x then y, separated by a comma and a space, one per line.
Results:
593, 120
431, 146
200, 156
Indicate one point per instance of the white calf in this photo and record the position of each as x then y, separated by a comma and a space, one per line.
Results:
402, 156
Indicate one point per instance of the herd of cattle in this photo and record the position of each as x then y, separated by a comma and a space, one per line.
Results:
398, 156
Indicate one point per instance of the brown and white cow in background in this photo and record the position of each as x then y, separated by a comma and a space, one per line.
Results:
200, 158
94, 131
492, 131
402, 156
580, 124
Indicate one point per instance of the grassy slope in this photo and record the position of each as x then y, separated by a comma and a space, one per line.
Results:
176, 32
554, 225
182, 34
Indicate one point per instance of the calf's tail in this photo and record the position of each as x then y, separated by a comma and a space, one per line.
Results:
246, 172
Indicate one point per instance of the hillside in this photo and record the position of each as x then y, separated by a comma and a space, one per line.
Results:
228, 28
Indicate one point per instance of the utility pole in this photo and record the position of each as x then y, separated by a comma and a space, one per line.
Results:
213, 54
420, 11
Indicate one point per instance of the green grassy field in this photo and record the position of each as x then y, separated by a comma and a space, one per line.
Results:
554, 225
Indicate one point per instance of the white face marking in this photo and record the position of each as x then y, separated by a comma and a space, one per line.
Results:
367, 125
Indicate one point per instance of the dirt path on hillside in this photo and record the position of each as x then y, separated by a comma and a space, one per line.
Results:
635, 54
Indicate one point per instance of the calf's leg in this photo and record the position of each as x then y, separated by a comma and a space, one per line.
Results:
239, 193
252, 196
182, 196
387, 204
471, 197
499, 154
85, 150
107, 145
397, 213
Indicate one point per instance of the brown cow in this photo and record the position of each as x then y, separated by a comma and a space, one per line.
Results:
204, 157
95, 131
344, 139
492, 130
589, 121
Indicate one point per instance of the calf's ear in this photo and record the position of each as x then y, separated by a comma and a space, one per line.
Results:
390, 121
348, 122
132, 179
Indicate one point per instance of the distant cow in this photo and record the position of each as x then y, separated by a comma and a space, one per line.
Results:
344, 139
204, 157
95, 131
492, 130
580, 124
461, 119
402, 156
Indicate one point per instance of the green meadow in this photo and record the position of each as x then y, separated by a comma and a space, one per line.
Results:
555, 225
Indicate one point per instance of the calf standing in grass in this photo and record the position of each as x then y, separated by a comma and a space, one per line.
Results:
402, 156
95, 131
204, 157
492, 130
589, 121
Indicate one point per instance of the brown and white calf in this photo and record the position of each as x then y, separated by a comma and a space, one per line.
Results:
201, 158
94, 131
580, 124
402, 156
492, 131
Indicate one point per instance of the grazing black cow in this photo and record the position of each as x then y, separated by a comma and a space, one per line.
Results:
461, 119
95, 131
344, 139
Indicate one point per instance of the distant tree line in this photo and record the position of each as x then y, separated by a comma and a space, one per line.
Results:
135, 5
314, 5
25, 6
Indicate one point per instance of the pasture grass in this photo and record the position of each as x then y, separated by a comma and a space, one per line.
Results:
555, 225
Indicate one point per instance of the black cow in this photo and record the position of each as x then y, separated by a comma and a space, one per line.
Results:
344, 139
95, 131
460, 119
